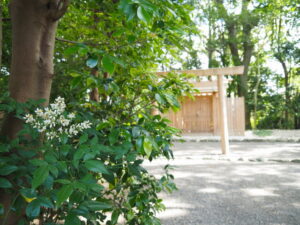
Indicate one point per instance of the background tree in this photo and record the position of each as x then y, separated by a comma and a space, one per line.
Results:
241, 33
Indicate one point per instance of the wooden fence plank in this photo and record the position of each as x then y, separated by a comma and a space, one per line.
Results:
205, 110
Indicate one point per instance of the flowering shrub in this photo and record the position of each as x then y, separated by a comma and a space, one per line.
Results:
56, 121
88, 168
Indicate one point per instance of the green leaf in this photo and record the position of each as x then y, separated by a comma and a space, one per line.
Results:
63, 194
96, 166
33, 209
90, 81
64, 150
94, 141
113, 136
159, 99
144, 15
72, 219
136, 131
127, 7
110, 178
38, 162
4, 147
83, 138
115, 216
172, 100
62, 166
73, 74
80, 186
4, 183
39, 176
131, 38
48, 183
83, 149
7, 169
81, 210
63, 181
92, 62
71, 50
28, 193
45, 202
147, 145
96, 187
1, 210
108, 64
53, 170
50, 157
139, 144
119, 61
75, 82
22, 221
95, 205
120, 151
27, 153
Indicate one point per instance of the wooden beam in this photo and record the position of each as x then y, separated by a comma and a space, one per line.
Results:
223, 116
236, 70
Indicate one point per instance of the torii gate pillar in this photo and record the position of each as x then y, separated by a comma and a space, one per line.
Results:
223, 116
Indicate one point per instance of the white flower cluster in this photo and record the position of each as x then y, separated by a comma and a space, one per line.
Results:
54, 121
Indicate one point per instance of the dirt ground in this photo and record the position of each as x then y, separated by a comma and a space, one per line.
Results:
258, 183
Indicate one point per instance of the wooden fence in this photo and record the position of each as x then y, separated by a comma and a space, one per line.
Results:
201, 115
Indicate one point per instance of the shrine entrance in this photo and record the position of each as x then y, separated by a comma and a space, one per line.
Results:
211, 111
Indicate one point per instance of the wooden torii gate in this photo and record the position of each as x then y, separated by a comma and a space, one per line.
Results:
219, 72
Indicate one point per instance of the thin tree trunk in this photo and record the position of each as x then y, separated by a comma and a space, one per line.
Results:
94, 95
34, 25
287, 92
255, 97
209, 47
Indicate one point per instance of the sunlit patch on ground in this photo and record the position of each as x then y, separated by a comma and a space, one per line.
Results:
210, 190
257, 192
224, 192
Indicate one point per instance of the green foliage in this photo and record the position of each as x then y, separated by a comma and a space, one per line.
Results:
258, 33
100, 170
98, 176
262, 133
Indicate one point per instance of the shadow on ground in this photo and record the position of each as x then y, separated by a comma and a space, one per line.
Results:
214, 192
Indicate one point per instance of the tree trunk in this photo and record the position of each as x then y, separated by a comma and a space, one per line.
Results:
248, 51
1, 39
94, 95
287, 92
34, 25
209, 47
255, 97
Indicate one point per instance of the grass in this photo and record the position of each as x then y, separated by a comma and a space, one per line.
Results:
262, 133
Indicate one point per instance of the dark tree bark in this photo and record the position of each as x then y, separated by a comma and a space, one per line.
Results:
1, 39
34, 25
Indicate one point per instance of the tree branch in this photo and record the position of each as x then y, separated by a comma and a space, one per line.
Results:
58, 9
80, 43
97, 44
6, 19
69, 41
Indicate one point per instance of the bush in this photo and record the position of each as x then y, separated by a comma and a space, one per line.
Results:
85, 167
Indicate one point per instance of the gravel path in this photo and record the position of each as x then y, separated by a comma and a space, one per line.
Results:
250, 135
221, 191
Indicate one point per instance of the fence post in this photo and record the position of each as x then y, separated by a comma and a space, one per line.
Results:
223, 115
